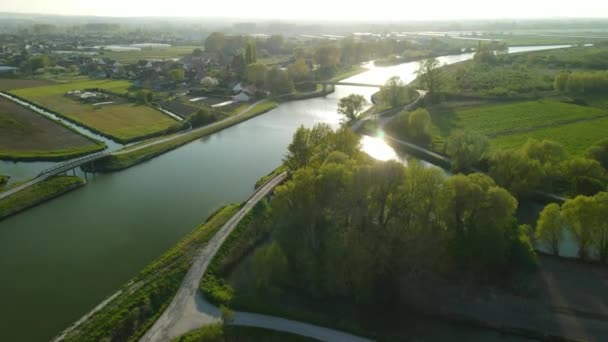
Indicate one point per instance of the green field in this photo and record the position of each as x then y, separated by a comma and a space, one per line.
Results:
25, 134
510, 124
130, 57
124, 122
126, 160
38, 193
575, 137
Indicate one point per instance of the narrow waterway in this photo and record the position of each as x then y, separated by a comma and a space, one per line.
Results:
60, 259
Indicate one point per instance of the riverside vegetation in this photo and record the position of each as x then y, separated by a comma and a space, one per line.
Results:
350, 228
141, 301
37, 193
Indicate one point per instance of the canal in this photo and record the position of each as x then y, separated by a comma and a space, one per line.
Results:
60, 259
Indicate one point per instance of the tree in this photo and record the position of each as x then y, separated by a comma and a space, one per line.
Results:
599, 152
601, 231
275, 44
278, 82
201, 118
197, 52
466, 149
515, 171
351, 106
561, 81
256, 74
430, 76
177, 74
144, 96
269, 265
299, 70
419, 126
215, 42
250, 53
580, 217
549, 228
547, 152
38, 62
583, 176
395, 92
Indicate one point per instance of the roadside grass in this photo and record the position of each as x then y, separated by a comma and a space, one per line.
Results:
228, 333
130, 57
38, 193
124, 122
501, 120
117, 162
26, 135
575, 137
249, 232
20, 83
143, 299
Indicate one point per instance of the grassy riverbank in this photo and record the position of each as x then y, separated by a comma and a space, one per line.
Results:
226, 333
141, 301
125, 160
38, 193
3, 180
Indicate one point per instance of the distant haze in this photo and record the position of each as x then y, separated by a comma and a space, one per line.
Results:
331, 10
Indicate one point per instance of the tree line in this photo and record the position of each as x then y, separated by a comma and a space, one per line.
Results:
581, 82
349, 226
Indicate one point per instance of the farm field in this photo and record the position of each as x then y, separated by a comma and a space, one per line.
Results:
28, 135
18, 83
124, 122
510, 124
130, 57
575, 137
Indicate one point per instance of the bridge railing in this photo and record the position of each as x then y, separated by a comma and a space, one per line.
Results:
73, 163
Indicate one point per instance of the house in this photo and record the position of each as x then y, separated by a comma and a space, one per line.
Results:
5, 70
242, 97
237, 88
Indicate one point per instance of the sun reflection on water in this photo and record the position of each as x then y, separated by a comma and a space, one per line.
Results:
378, 149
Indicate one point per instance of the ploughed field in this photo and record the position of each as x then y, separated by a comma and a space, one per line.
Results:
511, 124
120, 120
25, 134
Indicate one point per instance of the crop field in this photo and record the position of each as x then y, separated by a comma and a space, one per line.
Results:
28, 135
510, 124
18, 83
124, 122
120, 87
575, 137
130, 57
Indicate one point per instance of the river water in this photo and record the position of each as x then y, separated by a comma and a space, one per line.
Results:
60, 259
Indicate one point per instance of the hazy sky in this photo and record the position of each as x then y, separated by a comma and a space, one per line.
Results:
318, 9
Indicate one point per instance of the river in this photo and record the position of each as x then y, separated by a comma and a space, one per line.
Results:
60, 259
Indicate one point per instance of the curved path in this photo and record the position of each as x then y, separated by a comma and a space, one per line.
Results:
189, 310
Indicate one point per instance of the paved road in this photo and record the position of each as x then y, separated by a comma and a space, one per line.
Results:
189, 310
